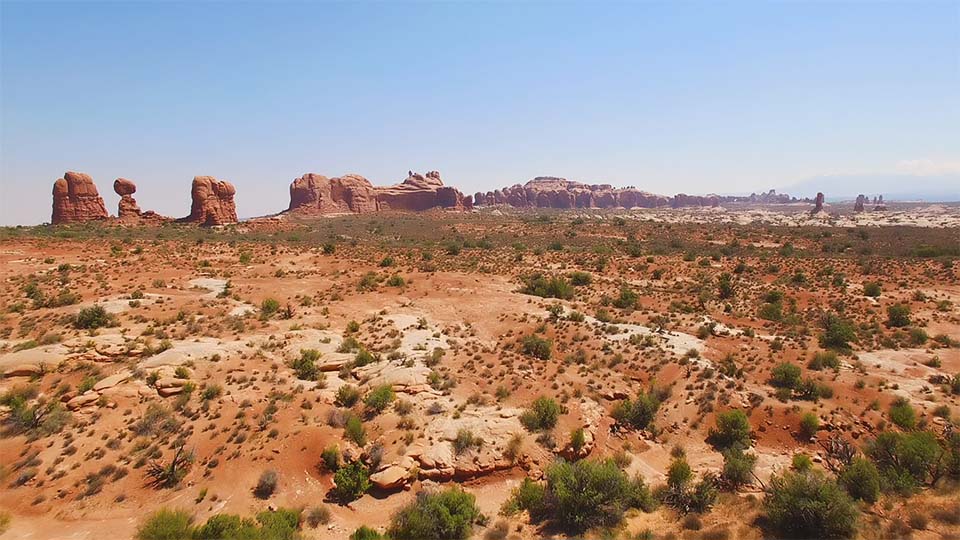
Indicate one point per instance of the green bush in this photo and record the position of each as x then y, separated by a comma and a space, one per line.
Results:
824, 359
906, 460
269, 307
637, 413
732, 429
330, 459
448, 515
809, 505
352, 481
353, 430
305, 367
837, 333
902, 414
861, 480
682, 494
227, 526
379, 399
366, 533
542, 414
737, 467
809, 424
530, 496
536, 347
871, 289
580, 279
785, 375
590, 493
347, 396
547, 287
93, 317
166, 524
627, 300
898, 316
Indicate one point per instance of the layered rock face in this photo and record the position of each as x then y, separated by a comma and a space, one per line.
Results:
552, 192
317, 194
76, 200
420, 192
212, 202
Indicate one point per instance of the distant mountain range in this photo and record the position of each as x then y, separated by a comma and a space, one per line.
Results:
893, 187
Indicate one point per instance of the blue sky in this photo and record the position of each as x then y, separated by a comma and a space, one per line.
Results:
668, 97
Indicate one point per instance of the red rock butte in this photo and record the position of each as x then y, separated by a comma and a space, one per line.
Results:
352, 193
76, 200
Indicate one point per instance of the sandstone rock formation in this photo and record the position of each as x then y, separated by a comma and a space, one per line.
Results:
76, 200
858, 206
212, 202
552, 192
420, 192
128, 208
817, 204
317, 194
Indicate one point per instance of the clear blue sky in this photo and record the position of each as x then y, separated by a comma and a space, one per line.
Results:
695, 97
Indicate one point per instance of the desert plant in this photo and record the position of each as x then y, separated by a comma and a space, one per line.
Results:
861, 480
266, 485
351, 482
165, 524
809, 505
732, 429
541, 415
447, 515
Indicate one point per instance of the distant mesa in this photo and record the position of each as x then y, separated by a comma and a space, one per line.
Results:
212, 202
315, 194
76, 200
553, 192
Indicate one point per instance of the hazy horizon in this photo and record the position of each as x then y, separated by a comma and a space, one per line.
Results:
696, 98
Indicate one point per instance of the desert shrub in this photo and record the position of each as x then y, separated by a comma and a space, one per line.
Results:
580, 279
447, 515
318, 515
785, 375
637, 413
837, 332
157, 420
737, 467
732, 429
682, 494
227, 526
530, 496
589, 493
824, 359
871, 289
281, 524
809, 424
542, 414
305, 367
861, 480
352, 481
379, 399
627, 299
330, 459
902, 414
166, 524
809, 505
396, 281
366, 533
269, 307
906, 460
465, 440
536, 347
898, 316
547, 287
266, 485
353, 430
93, 317
347, 396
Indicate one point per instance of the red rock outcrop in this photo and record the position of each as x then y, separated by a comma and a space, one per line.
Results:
76, 200
128, 209
212, 202
817, 204
420, 192
552, 192
858, 206
317, 194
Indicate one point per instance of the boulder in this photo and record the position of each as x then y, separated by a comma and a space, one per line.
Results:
76, 200
87, 398
212, 202
390, 477
111, 381
169, 386
24, 370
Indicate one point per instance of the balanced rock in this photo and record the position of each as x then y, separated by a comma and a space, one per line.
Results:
128, 208
76, 200
212, 202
